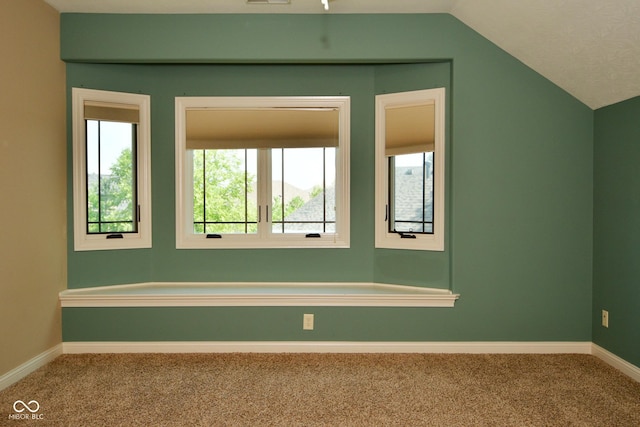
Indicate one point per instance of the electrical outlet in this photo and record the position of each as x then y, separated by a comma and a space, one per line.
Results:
605, 318
307, 322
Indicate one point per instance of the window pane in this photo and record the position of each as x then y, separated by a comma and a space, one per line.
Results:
111, 186
303, 190
225, 191
411, 193
330, 197
93, 163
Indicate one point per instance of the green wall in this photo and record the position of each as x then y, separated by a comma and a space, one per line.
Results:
164, 262
519, 181
397, 266
616, 271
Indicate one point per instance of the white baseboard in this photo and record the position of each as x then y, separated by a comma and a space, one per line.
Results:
325, 347
28, 367
507, 347
620, 364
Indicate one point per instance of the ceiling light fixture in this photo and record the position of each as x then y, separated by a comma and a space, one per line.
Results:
325, 3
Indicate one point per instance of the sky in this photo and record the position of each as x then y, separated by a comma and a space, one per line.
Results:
116, 137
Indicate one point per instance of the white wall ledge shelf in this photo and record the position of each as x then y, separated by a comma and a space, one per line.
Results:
201, 294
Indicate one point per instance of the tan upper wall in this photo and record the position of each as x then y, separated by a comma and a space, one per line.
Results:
32, 180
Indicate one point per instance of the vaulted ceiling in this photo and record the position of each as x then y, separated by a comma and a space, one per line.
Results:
590, 48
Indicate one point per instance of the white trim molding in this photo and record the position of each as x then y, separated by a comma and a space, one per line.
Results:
617, 362
264, 294
187, 238
384, 237
82, 239
16, 374
328, 347
498, 347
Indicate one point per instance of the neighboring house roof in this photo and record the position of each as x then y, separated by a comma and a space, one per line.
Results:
320, 208
409, 195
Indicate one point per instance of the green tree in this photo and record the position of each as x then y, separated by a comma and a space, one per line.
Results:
289, 208
219, 189
111, 198
315, 191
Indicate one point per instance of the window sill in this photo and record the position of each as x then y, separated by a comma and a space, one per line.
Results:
197, 294
101, 243
254, 242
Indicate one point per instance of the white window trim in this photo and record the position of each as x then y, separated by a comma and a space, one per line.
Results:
186, 239
383, 238
90, 242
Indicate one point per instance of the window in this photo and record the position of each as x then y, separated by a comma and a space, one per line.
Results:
262, 172
111, 170
410, 170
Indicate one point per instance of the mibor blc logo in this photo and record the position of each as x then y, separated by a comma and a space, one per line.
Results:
26, 411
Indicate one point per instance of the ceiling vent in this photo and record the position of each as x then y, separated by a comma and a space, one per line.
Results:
268, 1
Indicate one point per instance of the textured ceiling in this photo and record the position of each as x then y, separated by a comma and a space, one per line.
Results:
590, 48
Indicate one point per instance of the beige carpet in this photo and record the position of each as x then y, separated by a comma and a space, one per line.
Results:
325, 389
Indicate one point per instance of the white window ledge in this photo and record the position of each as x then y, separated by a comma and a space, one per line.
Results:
171, 294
